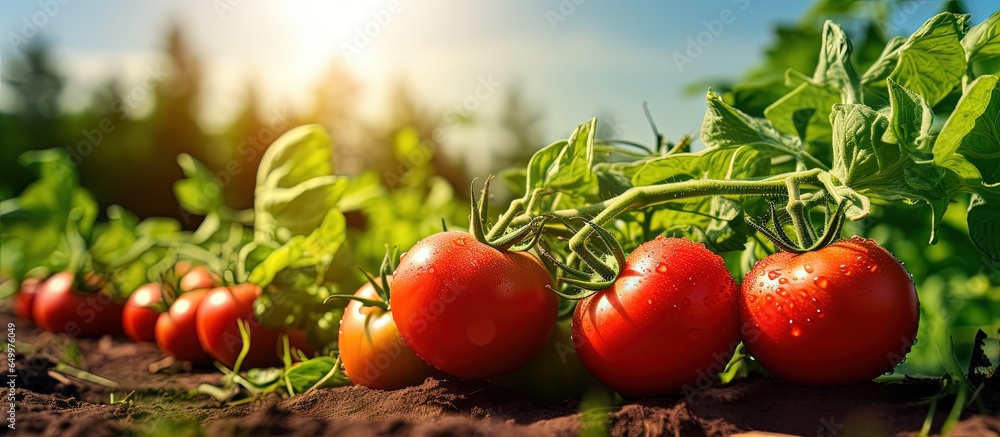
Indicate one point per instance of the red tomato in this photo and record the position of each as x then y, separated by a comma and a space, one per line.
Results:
219, 332
842, 314
670, 320
471, 310
176, 332
61, 308
373, 353
25, 299
197, 278
139, 315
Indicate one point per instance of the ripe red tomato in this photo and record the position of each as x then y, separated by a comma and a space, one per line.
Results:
197, 278
61, 308
176, 332
842, 314
471, 310
140, 313
219, 334
373, 352
669, 320
24, 301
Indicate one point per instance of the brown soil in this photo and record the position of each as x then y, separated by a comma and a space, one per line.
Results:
163, 403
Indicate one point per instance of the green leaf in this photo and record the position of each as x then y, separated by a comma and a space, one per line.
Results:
734, 163
308, 373
969, 142
566, 166
932, 61
910, 121
264, 376
200, 192
983, 40
114, 238
984, 226
804, 112
326, 240
885, 64
836, 68
727, 127
278, 260
295, 184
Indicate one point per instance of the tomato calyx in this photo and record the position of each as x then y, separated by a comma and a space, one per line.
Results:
383, 290
605, 268
808, 238
501, 237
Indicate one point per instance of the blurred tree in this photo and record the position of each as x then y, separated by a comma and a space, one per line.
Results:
36, 86
245, 140
521, 122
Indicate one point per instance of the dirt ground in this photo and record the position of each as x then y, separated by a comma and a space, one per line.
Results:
163, 403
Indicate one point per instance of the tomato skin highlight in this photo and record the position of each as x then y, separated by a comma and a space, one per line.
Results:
60, 308
24, 300
373, 352
176, 329
138, 316
853, 310
669, 320
197, 278
471, 310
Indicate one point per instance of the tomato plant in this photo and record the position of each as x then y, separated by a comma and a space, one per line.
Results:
669, 318
141, 310
469, 309
176, 330
850, 303
63, 304
371, 348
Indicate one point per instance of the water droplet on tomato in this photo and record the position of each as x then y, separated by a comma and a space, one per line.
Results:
752, 298
768, 297
843, 266
783, 281
808, 268
873, 268
660, 238
694, 335
796, 331
819, 314
661, 267
821, 282
783, 293
804, 295
773, 274
460, 242
430, 270
649, 301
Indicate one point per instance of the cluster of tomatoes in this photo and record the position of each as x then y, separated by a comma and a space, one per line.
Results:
454, 305
841, 314
197, 322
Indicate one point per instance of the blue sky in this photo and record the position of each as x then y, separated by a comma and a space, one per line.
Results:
575, 58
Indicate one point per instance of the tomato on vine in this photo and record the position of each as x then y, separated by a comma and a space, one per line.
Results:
841, 314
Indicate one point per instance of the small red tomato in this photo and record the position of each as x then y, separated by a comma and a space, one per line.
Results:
197, 278
670, 320
219, 334
140, 312
61, 308
176, 332
25, 299
373, 353
842, 314
469, 309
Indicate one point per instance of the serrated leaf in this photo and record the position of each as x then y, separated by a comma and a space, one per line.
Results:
727, 127
984, 226
983, 40
910, 121
969, 142
836, 68
932, 61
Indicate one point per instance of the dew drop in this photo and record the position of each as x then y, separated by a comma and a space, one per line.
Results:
430, 270
769, 297
649, 301
777, 306
889, 372
661, 267
796, 331
847, 273
808, 268
783, 281
873, 268
804, 295
752, 298
783, 293
914, 341
901, 361
694, 335
460, 242
773, 274
843, 266
821, 282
